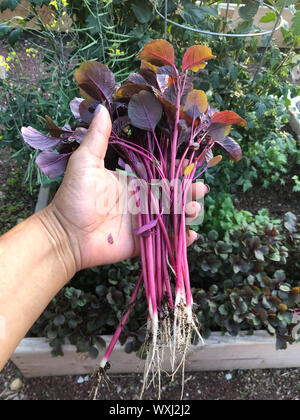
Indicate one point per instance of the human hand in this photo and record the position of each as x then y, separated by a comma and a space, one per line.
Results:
86, 205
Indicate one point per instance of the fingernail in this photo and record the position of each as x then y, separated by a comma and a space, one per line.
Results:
207, 188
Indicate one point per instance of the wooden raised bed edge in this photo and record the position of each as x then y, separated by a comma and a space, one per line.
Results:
257, 351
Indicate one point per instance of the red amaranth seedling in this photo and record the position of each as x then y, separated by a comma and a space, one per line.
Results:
164, 133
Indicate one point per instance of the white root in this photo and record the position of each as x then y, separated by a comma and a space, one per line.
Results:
176, 335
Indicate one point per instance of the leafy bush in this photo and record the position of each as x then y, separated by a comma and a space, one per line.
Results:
113, 32
245, 279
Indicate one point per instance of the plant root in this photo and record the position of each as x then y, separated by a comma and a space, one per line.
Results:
99, 376
175, 333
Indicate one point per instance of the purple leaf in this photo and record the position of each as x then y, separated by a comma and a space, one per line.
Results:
169, 70
137, 78
150, 77
78, 135
119, 124
52, 164
67, 128
170, 95
144, 110
38, 140
144, 230
209, 156
184, 134
86, 111
74, 106
96, 80
232, 148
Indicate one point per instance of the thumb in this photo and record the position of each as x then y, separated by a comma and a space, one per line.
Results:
96, 139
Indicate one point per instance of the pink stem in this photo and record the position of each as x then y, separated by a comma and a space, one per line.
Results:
121, 324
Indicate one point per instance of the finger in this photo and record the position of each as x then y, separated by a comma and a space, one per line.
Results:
199, 190
96, 140
192, 209
191, 237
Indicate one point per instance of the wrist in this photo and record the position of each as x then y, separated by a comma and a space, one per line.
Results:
63, 244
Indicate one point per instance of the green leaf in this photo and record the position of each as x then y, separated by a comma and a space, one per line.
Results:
260, 109
259, 255
72, 324
142, 10
14, 36
275, 256
247, 185
9, 4
244, 27
213, 235
269, 17
223, 311
93, 353
193, 14
82, 346
59, 320
100, 343
281, 343
248, 11
52, 334
295, 28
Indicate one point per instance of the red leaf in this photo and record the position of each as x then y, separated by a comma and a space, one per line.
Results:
227, 117
195, 58
127, 91
53, 129
158, 53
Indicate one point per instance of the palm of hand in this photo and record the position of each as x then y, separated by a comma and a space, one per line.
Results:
89, 203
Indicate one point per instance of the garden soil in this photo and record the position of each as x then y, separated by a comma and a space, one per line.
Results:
277, 384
